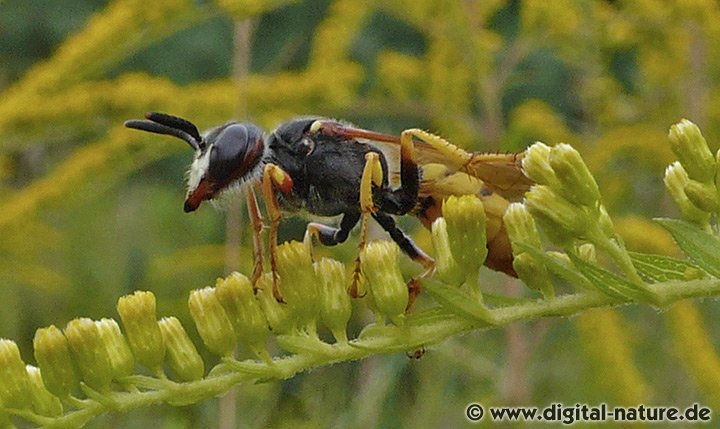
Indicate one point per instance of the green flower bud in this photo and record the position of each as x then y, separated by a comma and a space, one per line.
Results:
139, 317
536, 165
534, 274
335, 306
575, 181
606, 223
297, 282
703, 195
238, 298
561, 219
52, 354
676, 178
181, 354
44, 402
587, 253
212, 322
387, 290
688, 144
121, 358
278, 315
90, 353
466, 229
446, 266
520, 226
14, 381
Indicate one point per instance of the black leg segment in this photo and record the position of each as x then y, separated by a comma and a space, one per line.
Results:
403, 241
330, 236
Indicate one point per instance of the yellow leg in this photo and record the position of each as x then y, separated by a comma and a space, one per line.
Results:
372, 175
274, 177
256, 221
501, 172
451, 153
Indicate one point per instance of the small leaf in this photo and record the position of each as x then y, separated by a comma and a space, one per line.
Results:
505, 301
425, 317
458, 302
304, 344
699, 245
659, 268
611, 284
252, 368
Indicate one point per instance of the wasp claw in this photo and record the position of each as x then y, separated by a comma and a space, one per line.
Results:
414, 288
276, 290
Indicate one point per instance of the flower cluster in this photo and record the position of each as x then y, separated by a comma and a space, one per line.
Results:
692, 181
566, 204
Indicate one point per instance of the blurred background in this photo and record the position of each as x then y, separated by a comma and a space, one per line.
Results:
92, 211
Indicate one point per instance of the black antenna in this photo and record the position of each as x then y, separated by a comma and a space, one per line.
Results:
175, 122
162, 123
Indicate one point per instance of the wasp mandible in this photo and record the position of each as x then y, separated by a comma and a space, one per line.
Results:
330, 168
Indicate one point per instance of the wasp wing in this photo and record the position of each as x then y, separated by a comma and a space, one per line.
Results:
501, 173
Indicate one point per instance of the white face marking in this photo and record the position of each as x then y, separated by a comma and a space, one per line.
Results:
198, 169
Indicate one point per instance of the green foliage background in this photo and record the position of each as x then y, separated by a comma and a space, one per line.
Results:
92, 211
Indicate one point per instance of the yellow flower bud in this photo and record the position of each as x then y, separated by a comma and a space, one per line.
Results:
520, 226
387, 290
90, 353
703, 195
688, 144
278, 315
121, 358
676, 178
335, 306
139, 317
561, 219
181, 354
447, 268
44, 402
534, 274
575, 181
298, 284
14, 381
212, 322
536, 165
52, 354
238, 298
466, 229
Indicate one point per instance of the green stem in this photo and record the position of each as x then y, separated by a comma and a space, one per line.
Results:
618, 253
420, 329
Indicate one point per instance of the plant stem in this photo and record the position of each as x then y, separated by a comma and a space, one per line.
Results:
420, 329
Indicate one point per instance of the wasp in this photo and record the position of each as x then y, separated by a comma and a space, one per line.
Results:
330, 168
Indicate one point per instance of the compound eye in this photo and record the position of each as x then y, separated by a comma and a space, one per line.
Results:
228, 150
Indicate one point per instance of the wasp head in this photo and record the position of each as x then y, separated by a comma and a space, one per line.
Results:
224, 157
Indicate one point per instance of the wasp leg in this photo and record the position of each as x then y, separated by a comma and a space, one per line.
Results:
372, 175
328, 235
450, 152
409, 248
274, 177
403, 241
403, 199
256, 221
